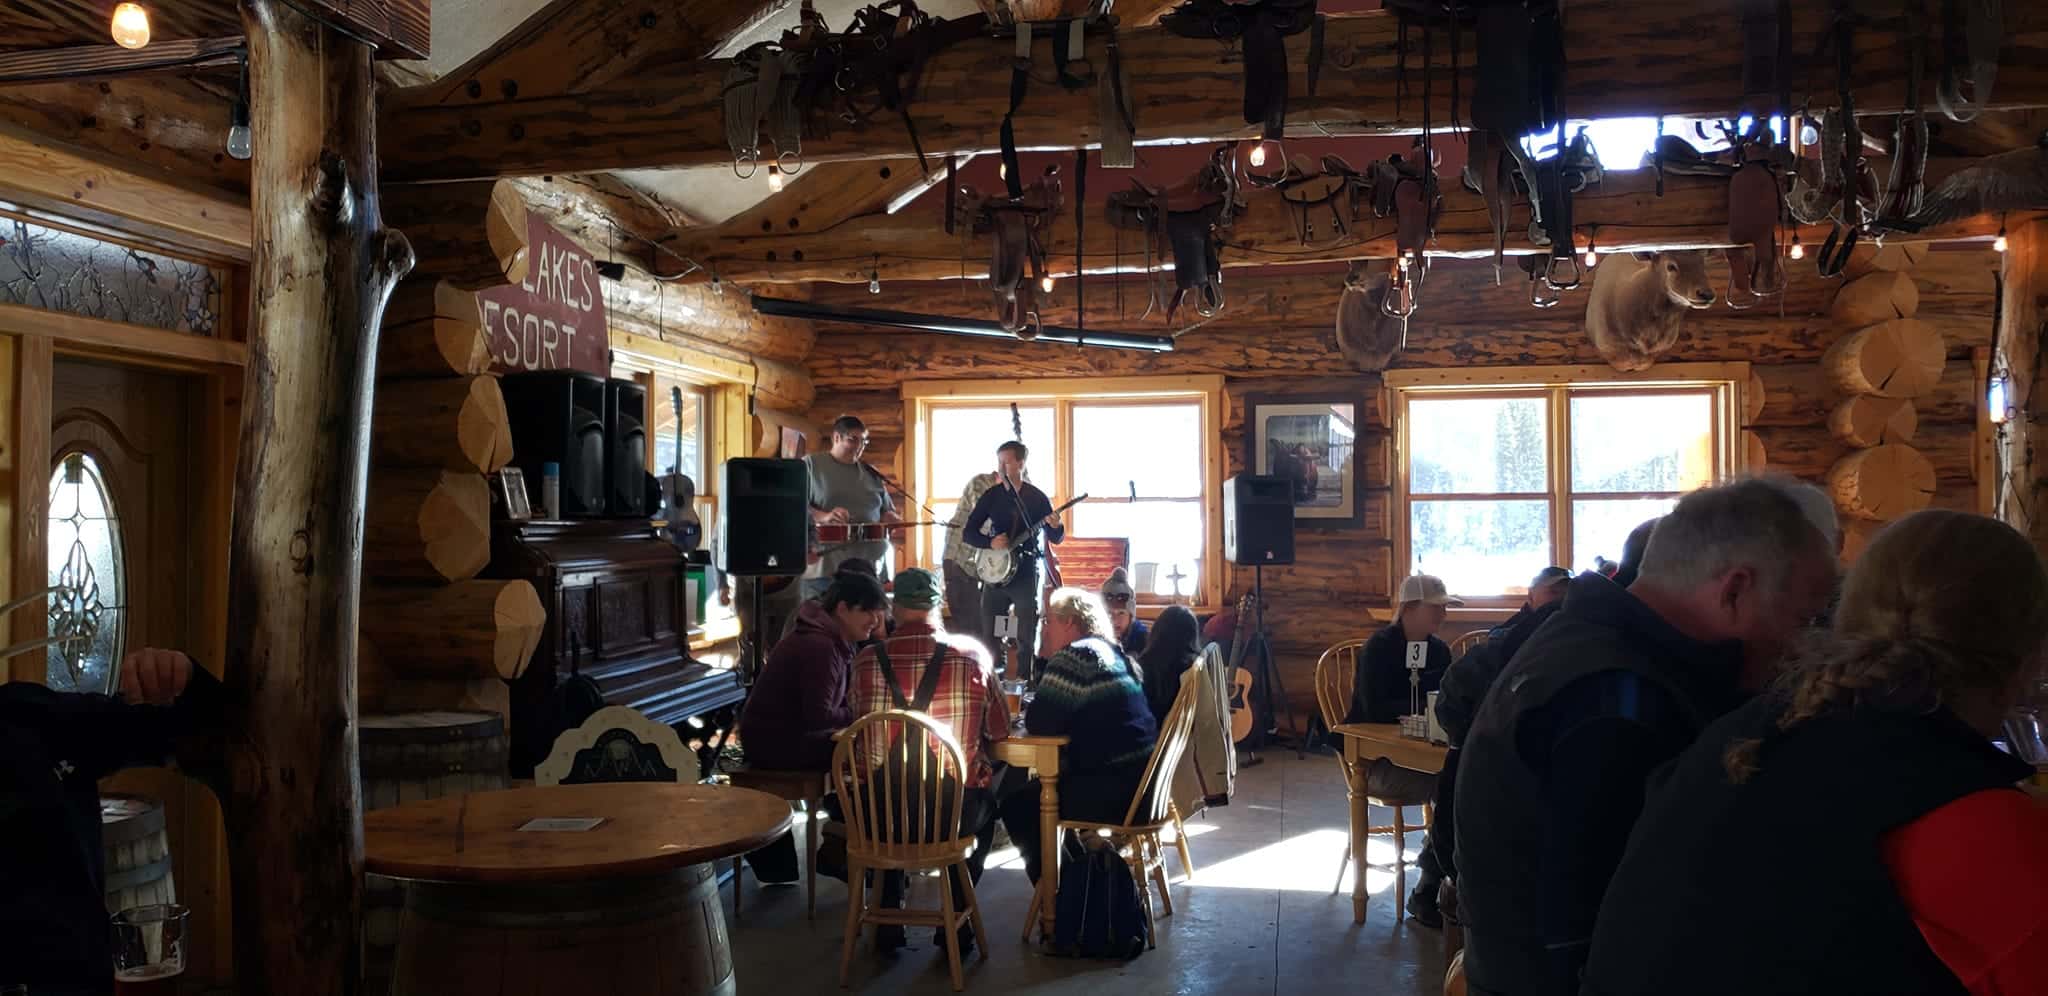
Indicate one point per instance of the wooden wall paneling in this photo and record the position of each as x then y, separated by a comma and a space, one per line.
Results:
45, 174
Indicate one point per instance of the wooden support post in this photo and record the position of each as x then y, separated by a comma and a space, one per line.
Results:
2016, 358
322, 269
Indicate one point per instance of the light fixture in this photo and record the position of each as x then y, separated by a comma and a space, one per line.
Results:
1592, 249
875, 276
1797, 251
238, 118
1999, 244
774, 179
130, 26
1258, 156
1995, 402
1045, 283
717, 285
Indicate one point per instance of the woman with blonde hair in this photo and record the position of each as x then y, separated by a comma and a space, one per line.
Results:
1866, 785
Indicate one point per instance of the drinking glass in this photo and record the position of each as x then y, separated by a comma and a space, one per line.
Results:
149, 945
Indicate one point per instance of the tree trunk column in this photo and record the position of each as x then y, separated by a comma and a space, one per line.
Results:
2023, 321
322, 271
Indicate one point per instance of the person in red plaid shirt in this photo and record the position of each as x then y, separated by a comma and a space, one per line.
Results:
966, 699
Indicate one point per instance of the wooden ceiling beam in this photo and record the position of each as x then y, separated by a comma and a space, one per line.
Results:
173, 124
73, 62
1626, 59
827, 195
46, 177
913, 244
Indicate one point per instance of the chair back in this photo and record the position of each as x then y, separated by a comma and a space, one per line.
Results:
1336, 672
1465, 643
1154, 800
907, 807
617, 744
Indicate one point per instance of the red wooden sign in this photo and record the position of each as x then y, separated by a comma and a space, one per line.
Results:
553, 321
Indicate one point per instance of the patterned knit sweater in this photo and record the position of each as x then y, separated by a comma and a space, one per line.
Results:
1091, 694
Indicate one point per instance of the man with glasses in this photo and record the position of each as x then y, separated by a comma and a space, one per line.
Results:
846, 495
1122, 603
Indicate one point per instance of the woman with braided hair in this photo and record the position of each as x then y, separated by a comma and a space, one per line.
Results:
1867, 782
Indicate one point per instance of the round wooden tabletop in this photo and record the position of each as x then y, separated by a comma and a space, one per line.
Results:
647, 827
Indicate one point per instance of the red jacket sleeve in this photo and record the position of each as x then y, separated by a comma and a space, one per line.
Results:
1974, 873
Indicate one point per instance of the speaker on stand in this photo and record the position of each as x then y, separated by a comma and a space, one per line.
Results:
1258, 531
763, 528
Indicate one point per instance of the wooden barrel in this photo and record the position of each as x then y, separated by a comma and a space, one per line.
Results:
137, 852
408, 757
656, 935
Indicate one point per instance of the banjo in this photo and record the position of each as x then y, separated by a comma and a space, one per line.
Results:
998, 567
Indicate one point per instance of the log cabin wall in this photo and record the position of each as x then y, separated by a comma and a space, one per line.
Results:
1276, 337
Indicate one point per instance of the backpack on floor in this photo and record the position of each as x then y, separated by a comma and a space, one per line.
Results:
1097, 912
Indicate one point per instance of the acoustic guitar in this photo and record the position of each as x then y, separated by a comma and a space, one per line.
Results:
1241, 718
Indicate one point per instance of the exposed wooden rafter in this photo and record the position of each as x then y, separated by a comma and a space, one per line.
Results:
106, 61
1627, 59
912, 245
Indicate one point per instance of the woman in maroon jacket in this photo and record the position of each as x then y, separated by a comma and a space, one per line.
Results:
799, 701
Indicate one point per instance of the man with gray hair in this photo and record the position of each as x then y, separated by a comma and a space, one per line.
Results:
1618, 682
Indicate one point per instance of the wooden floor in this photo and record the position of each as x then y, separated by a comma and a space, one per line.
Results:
1258, 919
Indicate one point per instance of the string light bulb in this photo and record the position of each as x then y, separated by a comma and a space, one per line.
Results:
1258, 156
1999, 244
130, 26
1045, 283
774, 179
1797, 251
875, 277
717, 285
1592, 251
238, 118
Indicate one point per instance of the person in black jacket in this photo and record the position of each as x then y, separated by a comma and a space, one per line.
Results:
1176, 643
1552, 773
54, 749
1006, 518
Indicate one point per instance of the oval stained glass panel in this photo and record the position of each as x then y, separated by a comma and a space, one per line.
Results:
90, 576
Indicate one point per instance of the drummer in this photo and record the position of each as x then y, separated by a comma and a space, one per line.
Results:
54, 749
1003, 520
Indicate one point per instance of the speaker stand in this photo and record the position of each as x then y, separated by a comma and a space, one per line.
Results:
1270, 677
754, 661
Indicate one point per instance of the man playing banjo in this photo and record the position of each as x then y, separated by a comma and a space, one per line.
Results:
850, 506
1005, 522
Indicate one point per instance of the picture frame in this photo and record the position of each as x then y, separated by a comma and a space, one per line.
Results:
1314, 440
512, 493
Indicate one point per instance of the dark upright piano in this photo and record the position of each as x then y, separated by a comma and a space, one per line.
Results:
617, 608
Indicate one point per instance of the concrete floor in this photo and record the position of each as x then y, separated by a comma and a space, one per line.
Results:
1257, 919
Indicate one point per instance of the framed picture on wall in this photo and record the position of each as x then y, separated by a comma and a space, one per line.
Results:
1312, 441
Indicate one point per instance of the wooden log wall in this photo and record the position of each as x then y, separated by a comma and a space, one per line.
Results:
1276, 337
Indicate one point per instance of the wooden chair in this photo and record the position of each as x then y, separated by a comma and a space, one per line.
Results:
805, 788
887, 829
617, 744
1151, 811
1465, 643
1336, 673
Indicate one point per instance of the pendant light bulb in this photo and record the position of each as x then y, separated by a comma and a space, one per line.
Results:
130, 26
1592, 255
774, 179
1797, 251
874, 282
238, 131
1999, 244
1045, 283
1259, 154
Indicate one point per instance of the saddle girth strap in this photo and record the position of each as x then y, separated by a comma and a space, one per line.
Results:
1118, 127
1020, 83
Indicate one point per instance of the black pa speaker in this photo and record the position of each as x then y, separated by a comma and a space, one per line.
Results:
558, 417
1258, 520
764, 515
625, 450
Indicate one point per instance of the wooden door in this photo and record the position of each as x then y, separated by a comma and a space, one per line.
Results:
131, 433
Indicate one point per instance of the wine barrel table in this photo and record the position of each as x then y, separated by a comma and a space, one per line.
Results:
136, 851
627, 907
410, 757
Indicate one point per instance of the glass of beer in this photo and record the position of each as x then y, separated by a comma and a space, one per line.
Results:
149, 948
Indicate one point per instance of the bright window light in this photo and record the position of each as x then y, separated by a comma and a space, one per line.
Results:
1622, 143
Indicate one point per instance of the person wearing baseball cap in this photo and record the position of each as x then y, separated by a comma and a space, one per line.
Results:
950, 678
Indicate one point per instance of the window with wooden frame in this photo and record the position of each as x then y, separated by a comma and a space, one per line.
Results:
1143, 450
1503, 472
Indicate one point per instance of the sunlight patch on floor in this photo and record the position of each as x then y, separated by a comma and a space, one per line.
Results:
1306, 863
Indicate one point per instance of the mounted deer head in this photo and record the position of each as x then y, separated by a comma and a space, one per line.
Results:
1639, 301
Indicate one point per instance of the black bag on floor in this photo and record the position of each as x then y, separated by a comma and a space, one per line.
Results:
1097, 913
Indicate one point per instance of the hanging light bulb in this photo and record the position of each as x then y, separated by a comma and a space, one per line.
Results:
238, 118
717, 285
1002, 171
875, 278
1592, 254
774, 179
130, 26
1999, 244
1797, 251
1258, 156
1045, 283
